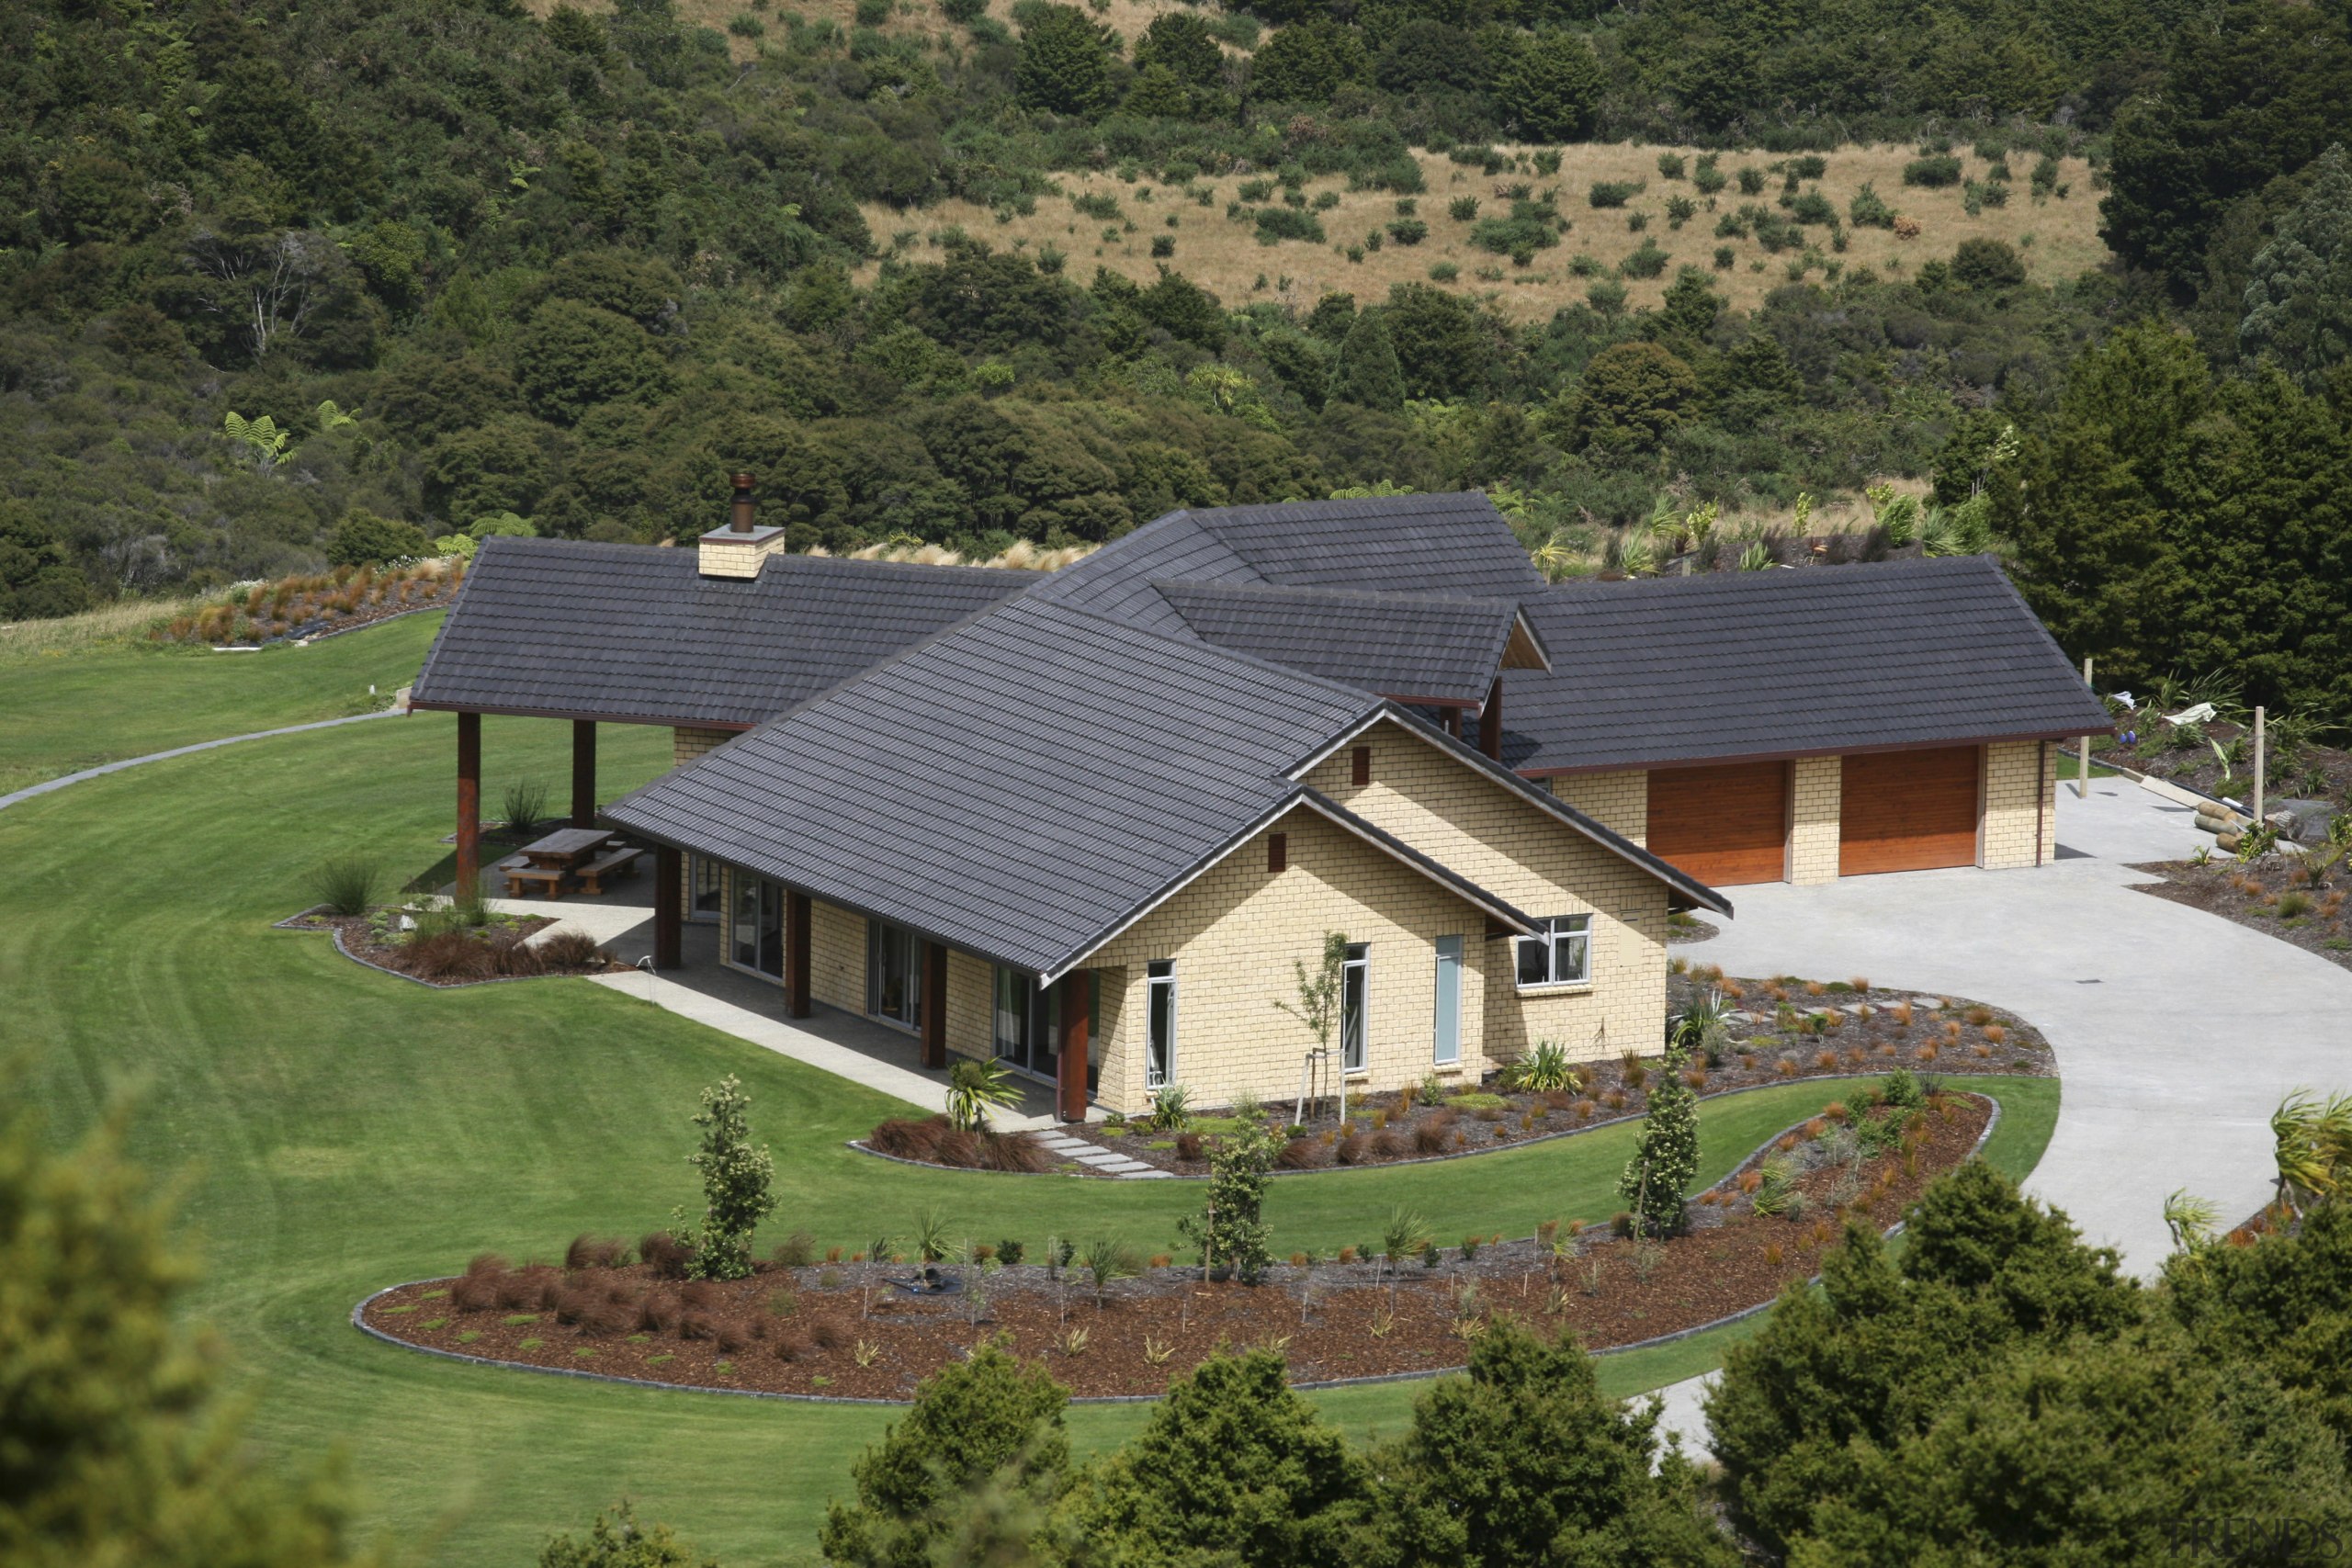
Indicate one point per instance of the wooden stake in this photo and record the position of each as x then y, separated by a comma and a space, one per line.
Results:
2083, 765
2259, 761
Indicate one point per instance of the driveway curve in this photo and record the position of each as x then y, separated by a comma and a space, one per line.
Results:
2177, 1033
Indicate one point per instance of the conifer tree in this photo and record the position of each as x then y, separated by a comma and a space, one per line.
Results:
1367, 372
1666, 1156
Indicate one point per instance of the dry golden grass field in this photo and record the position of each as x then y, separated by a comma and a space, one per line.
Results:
2057, 237
1126, 18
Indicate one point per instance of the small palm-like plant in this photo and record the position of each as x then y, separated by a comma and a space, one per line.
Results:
1544, 1069
1171, 1108
1107, 1260
2299, 1145
1404, 1236
977, 1088
2191, 1220
931, 1236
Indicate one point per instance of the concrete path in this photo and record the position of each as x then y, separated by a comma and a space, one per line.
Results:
48, 784
2177, 1033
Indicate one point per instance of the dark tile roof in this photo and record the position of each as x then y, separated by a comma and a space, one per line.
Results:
1414, 647
636, 632
1778, 663
1453, 544
1024, 785
1016, 787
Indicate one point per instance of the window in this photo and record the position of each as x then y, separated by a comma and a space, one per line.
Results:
893, 973
703, 888
756, 942
1561, 956
1353, 973
1159, 1035
1028, 1022
1447, 1031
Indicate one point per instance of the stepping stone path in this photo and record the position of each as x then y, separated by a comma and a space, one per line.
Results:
1110, 1162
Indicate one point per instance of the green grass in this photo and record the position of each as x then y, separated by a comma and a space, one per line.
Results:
76, 707
341, 1129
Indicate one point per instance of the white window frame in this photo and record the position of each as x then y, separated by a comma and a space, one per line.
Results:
1157, 974
1446, 1021
1358, 963
1563, 933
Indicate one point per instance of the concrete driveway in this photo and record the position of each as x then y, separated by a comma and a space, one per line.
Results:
2177, 1033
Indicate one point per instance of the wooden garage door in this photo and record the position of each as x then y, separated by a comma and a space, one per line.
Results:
1907, 810
1723, 825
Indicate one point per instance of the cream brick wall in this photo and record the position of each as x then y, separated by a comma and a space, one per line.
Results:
2017, 805
729, 554
1526, 856
1620, 802
1116, 1012
1813, 827
688, 742
836, 956
971, 1005
1234, 934
2049, 793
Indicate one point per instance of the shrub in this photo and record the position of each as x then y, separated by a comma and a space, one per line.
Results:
1812, 207
1707, 179
665, 1255
1669, 165
1937, 170
908, 1139
1650, 261
1188, 1146
1614, 193
448, 958
1163, 244
1724, 258
1543, 1071
1868, 212
1100, 205
795, 1251
1409, 230
1443, 272
1751, 180
348, 884
1679, 209
569, 948
1013, 1151
1278, 223
1463, 208
1007, 1252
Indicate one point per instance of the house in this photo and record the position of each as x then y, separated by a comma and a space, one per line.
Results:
1092, 822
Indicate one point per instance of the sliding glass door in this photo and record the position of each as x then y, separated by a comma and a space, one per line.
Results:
756, 940
1028, 1023
893, 973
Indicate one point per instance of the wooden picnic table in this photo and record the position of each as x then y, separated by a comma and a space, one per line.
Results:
565, 848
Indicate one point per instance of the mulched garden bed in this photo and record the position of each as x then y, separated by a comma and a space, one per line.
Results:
2299, 898
1783, 1028
842, 1329
501, 950
302, 607
2296, 769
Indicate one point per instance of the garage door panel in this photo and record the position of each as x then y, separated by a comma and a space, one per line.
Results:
1908, 810
1726, 825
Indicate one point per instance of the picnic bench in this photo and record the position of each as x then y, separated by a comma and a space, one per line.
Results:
568, 857
619, 862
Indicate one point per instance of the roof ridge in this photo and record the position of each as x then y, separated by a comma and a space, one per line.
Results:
1290, 590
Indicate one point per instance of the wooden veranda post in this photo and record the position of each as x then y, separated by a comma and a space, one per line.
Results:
669, 907
934, 1004
795, 955
583, 772
468, 805
1077, 990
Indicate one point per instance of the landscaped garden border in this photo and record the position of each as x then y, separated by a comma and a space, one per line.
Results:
2304, 900
318, 918
1791, 1042
1187, 1282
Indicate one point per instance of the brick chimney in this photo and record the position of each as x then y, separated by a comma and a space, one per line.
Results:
737, 549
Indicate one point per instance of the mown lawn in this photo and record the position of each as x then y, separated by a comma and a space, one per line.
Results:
67, 709
341, 1129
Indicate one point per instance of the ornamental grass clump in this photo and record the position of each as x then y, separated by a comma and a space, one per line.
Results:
348, 884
